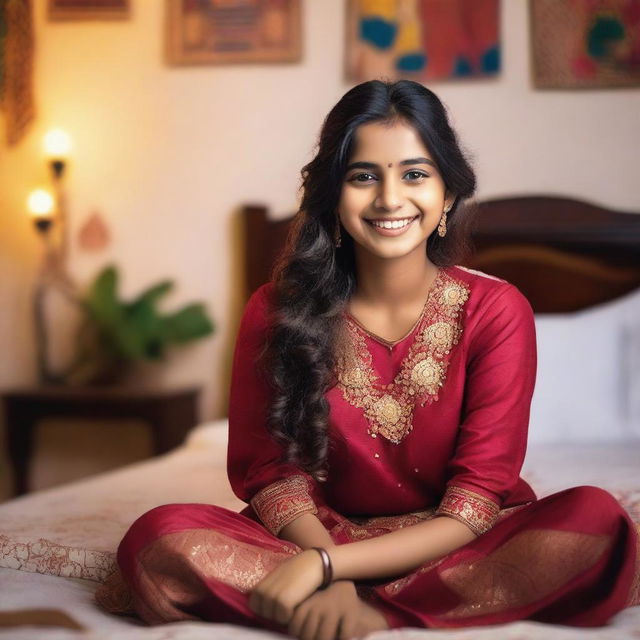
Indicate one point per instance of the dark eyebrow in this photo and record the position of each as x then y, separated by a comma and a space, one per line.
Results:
373, 165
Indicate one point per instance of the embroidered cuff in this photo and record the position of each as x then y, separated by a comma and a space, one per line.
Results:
478, 512
283, 501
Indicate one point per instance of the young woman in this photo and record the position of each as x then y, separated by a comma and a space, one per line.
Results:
378, 422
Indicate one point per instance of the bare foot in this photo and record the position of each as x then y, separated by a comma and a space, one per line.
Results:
370, 620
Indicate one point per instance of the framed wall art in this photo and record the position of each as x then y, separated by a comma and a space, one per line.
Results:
88, 9
232, 31
585, 44
422, 39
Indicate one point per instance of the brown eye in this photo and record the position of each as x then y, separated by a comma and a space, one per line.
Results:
418, 175
361, 177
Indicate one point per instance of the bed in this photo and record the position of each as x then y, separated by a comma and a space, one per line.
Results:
579, 265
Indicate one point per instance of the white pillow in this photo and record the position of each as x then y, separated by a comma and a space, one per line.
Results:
588, 382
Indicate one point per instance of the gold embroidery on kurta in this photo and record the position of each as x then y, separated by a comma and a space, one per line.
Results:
478, 512
389, 408
283, 501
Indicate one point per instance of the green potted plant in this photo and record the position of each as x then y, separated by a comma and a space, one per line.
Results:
116, 334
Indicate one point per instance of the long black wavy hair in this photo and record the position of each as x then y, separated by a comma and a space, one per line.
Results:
314, 279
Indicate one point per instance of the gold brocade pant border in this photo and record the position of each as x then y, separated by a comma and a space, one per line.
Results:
549, 561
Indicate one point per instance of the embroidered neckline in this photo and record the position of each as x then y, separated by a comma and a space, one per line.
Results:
389, 408
393, 343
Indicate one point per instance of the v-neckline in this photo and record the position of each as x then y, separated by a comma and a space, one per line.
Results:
392, 343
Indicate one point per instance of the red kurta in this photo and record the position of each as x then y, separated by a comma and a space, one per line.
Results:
433, 424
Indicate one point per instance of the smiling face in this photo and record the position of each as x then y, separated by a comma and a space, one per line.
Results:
392, 194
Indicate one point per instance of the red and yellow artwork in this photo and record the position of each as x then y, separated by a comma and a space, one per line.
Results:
422, 39
585, 43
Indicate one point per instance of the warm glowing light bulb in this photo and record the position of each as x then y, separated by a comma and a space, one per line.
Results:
40, 204
57, 144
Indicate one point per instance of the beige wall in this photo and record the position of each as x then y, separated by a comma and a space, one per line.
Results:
168, 154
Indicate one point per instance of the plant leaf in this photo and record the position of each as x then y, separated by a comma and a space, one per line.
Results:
101, 298
153, 293
186, 324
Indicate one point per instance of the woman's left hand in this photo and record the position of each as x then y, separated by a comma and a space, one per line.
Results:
277, 595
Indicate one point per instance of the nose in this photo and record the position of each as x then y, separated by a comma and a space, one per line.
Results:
389, 196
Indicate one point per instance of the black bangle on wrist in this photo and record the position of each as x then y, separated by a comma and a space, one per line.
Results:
327, 569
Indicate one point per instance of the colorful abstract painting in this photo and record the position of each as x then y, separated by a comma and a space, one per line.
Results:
224, 31
422, 39
585, 43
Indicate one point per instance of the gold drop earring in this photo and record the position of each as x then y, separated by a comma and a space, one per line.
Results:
442, 225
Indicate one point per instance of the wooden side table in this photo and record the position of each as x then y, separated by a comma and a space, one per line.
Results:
170, 413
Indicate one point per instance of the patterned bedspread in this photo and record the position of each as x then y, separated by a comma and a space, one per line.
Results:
56, 544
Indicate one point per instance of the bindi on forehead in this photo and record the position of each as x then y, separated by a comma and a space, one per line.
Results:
390, 165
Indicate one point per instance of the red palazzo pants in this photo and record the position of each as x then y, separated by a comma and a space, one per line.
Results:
570, 558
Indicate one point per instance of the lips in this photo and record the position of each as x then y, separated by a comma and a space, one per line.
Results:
391, 223
391, 227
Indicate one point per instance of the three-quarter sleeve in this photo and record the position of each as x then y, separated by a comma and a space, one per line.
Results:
491, 443
278, 491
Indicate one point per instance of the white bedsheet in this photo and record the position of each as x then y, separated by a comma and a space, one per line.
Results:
73, 531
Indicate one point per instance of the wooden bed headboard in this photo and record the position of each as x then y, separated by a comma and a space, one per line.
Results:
563, 254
